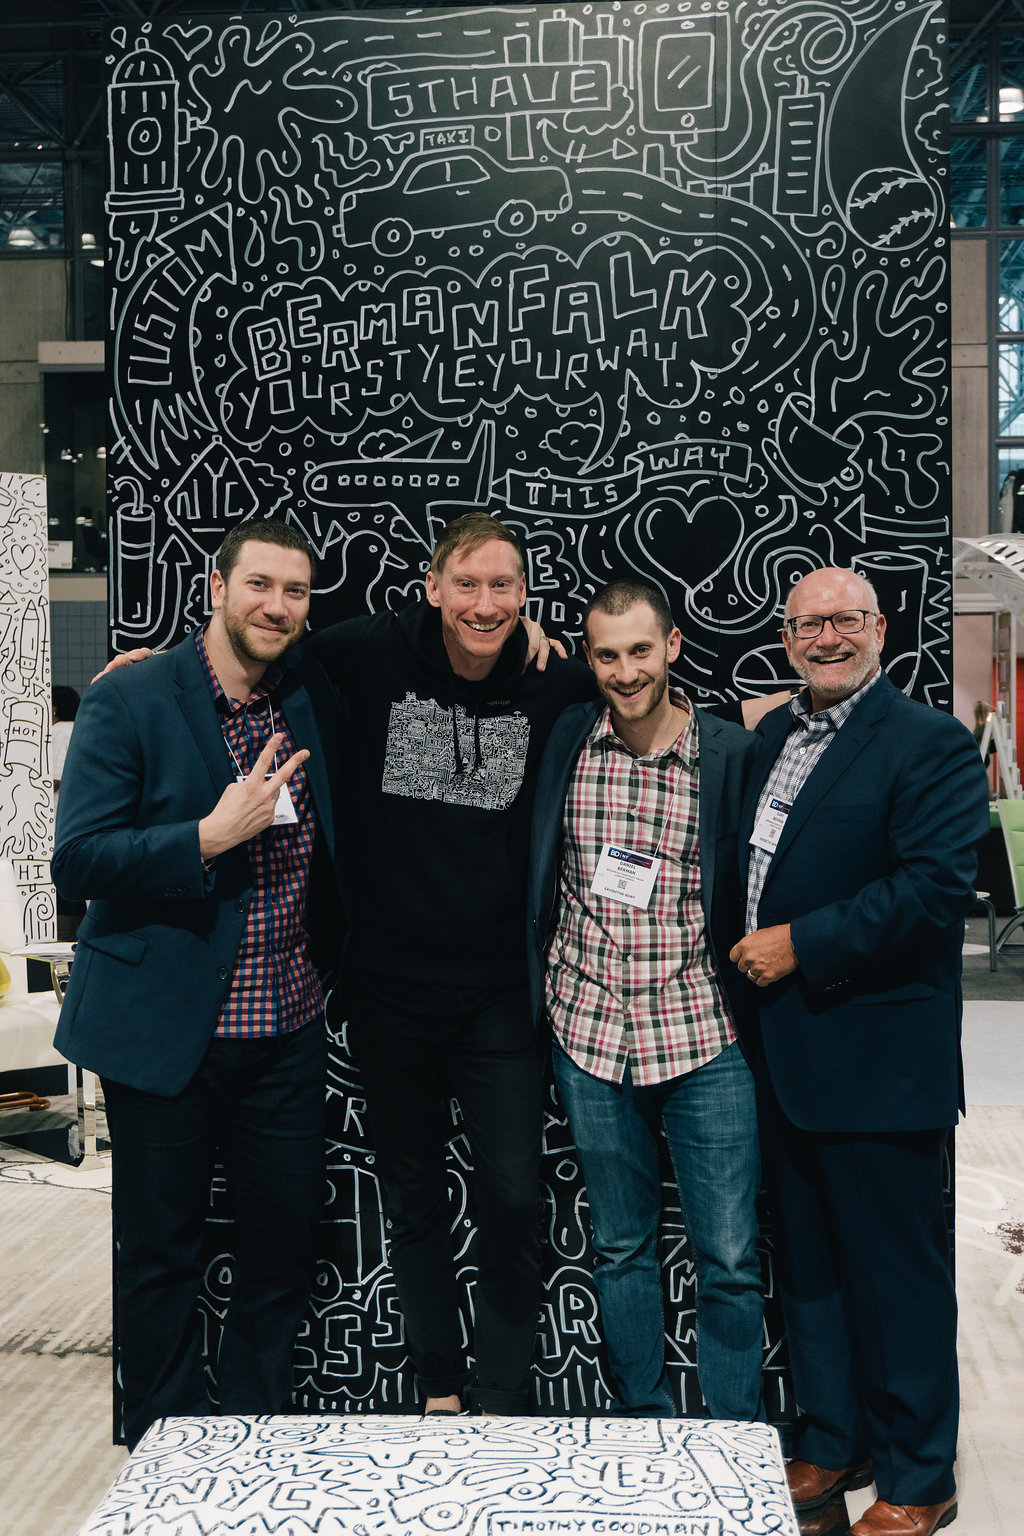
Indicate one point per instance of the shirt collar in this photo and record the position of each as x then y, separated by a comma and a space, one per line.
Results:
827, 719
267, 683
684, 747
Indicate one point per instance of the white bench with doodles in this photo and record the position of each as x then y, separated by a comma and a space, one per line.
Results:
381, 1475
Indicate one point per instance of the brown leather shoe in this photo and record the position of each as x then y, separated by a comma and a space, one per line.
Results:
831, 1520
882, 1519
811, 1487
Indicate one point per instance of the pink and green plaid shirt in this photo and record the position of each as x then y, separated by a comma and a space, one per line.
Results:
626, 984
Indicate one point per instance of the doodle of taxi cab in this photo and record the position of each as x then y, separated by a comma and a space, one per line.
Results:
454, 193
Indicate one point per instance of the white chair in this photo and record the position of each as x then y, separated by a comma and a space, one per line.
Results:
28, 1021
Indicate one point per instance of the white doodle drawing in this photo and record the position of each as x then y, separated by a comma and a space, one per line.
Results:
26, 790
665, 289
434, 753
503, 1477
455, 192
596, 234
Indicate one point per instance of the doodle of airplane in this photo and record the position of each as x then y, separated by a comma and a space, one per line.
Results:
410, 484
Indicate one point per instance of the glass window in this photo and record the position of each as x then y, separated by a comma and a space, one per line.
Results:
1011, 285
1011, 77
1011, 181
1011, 389
464, 170
968, 182
31, 206
427, 178
75, 420
968, 80
1010, 509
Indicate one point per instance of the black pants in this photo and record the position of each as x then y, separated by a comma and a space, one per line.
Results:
866, 1284
258, 1105
411, 1064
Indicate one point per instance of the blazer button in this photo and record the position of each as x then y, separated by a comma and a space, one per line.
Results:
241, 906
223, 973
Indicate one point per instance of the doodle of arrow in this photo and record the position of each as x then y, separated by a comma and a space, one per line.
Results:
573, 147
174, 560
857, 521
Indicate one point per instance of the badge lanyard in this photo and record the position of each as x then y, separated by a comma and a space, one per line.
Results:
625, 876
284, 809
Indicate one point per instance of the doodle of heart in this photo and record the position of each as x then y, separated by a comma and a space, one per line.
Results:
704, 543
400, 597
189, 39
24, 557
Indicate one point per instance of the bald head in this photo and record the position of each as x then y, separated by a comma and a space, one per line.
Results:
857, 591
833, 664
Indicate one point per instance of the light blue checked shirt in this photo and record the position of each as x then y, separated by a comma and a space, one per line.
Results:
809, 737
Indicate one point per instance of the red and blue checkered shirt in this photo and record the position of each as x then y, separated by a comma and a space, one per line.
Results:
274, 985
625, 984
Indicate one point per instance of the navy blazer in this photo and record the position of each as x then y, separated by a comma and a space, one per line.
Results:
874, 870
725, 753
158, 943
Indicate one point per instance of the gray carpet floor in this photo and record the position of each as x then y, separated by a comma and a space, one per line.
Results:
56, 1456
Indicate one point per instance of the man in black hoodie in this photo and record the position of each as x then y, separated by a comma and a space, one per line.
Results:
448, 735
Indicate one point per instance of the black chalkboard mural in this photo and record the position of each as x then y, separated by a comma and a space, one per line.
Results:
665, 286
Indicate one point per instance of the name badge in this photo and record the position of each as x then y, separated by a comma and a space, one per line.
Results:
284, 809
769, 826
625, 876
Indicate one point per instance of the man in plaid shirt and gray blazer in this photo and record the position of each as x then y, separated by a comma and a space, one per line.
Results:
634, 903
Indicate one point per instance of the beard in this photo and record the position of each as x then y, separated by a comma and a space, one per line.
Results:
852, 673
259, 646
644, 706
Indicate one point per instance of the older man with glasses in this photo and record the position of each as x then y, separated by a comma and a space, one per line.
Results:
863, 816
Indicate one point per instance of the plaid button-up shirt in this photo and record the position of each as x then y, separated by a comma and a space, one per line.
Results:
625, 984
809, 737
274, 985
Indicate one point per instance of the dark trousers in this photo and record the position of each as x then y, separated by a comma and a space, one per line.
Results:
411, 1064
866, 1284
258, 1106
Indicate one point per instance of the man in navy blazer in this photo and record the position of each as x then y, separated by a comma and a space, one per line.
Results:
195, 818
863, 817
634, 902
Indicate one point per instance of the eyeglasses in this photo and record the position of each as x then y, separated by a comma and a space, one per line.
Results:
807, 626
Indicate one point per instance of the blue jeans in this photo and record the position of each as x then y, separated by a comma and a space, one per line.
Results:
710, 1122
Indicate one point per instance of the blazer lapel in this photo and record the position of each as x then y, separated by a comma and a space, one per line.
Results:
200, 715
711, 783
297, 708
772, 731
850, 741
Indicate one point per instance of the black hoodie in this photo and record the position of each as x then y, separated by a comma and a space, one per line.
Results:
439, 787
